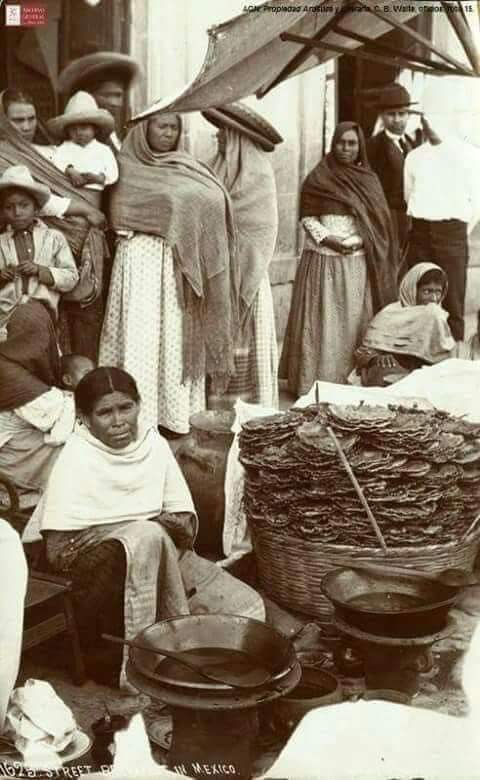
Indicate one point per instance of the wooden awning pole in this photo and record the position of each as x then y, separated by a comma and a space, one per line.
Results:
463, 34
388, 18
397, 62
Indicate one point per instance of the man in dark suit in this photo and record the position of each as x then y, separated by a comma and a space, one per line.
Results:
387, 151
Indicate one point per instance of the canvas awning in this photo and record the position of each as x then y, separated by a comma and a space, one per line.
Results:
252, 53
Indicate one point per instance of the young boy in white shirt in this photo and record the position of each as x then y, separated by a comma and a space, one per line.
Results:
85, 160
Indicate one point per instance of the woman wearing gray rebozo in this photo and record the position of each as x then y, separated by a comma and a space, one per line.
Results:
171, 311
242, 165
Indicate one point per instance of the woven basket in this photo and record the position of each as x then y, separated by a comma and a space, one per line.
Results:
291, 569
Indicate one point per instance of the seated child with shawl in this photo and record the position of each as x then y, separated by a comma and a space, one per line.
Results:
407, 334
36, 262
86, 161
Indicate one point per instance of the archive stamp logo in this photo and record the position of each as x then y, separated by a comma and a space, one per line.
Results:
26, 15
13, 15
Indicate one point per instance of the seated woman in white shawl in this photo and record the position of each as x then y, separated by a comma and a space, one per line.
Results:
407, 334
118, 518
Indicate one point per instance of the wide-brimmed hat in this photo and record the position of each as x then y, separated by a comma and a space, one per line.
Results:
18, 177
244, 119
107, 65
82, 109
394, 96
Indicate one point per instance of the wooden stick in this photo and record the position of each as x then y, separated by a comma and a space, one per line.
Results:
471, 527
359, 53
358, 489
461, 69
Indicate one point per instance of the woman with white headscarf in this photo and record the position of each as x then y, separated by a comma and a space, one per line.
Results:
410, 333
242, 166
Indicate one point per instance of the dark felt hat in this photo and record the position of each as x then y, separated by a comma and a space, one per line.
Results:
244, 119
394, 96
92, 67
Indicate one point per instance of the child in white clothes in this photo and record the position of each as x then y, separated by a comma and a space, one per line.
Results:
86, 161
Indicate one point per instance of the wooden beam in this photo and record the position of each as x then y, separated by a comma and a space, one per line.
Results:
297, 61
463, 33
361, 54
389, 50
462, 69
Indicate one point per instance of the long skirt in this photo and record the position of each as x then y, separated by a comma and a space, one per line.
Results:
256, 357
330, 310
143, 332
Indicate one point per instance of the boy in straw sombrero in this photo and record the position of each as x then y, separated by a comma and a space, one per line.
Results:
82, 157
35, 261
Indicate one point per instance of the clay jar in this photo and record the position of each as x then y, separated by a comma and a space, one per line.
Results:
203, 458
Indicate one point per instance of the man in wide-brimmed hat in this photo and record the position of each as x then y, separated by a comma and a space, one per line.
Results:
387, 151
107, 75
82, 157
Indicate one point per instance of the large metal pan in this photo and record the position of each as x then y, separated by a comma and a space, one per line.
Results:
395, 605
271, 649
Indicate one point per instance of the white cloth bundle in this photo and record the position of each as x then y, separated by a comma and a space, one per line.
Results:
39, 724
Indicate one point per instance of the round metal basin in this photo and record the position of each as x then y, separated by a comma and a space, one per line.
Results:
396, 605
264, 644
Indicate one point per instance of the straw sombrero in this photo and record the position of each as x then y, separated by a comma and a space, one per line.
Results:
244, 119
107, 65
19, 177
82, 109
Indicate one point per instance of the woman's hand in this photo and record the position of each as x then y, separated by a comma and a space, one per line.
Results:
386, 361
336, 243
179, 527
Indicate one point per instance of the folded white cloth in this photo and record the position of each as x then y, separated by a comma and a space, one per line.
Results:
39, 724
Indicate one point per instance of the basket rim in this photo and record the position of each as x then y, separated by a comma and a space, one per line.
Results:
316, 546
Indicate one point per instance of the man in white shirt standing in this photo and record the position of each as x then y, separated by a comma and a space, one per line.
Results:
443, 201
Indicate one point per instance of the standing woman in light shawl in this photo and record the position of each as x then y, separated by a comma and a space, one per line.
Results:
171, 309
410, 333
242, 165
348, 267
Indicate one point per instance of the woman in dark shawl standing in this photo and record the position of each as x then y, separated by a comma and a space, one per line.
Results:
348, 267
